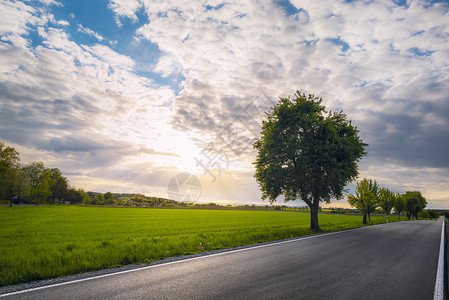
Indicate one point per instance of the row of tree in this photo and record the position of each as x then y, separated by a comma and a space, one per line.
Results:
306, 152
369, 196
37, 184
33, 182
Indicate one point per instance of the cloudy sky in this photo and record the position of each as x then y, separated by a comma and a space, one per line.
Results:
123, 95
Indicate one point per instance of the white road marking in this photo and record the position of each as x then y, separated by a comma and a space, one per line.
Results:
439, 283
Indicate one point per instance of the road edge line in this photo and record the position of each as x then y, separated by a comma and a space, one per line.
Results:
439, 282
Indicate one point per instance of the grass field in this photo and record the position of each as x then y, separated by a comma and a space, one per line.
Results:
51, 241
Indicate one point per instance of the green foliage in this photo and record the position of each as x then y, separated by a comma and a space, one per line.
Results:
365, 198
32, 182
109, 198
399, 205
424, 215
58, 186
433, 214
9, 157
39, 180
55, 240
415, 202
11, 177
446, 214
386, 200
99, 199
306, 153
142, 200
83, 196
12, 183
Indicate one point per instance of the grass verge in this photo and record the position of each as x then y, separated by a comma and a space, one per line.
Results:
52, 241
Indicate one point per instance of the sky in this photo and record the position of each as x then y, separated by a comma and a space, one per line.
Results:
166, 98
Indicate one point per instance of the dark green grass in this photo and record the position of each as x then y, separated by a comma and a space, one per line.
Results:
51, 241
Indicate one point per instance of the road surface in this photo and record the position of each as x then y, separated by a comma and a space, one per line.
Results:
389, 261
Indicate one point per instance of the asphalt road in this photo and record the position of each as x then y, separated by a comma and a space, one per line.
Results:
390, 261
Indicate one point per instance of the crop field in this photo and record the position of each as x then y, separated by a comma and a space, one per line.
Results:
52, 241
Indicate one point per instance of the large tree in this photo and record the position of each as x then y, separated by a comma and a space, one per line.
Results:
38, 178
365, 198
415, 202
373, 205
58, 185
306, 153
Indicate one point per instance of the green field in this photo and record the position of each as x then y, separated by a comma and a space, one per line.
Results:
51, 241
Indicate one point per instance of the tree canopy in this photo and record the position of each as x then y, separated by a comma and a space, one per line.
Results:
11, 176
365, 198
387, 200
368, 197
399, 205
9, 157
32, 182
415, 203
109, 198
306, 153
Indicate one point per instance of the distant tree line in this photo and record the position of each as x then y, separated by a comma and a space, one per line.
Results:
369, 197
36, 184
127, 199
33, 182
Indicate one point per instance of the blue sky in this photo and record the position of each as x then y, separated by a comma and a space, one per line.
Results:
123, 96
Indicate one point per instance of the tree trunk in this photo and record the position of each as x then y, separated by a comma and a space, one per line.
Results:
399, 216
10, 203
369, 217
314, 215
364, 217
387, 219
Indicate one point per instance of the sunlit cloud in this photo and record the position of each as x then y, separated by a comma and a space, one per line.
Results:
85, 99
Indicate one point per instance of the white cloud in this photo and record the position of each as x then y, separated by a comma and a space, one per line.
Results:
90, 32
167, 66
358, 56
63, 23
384, 65
51, 2
15, 17
111, 57
124, 8
81, 108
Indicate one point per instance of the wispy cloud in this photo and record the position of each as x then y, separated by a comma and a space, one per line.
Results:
51, 2
90, 32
